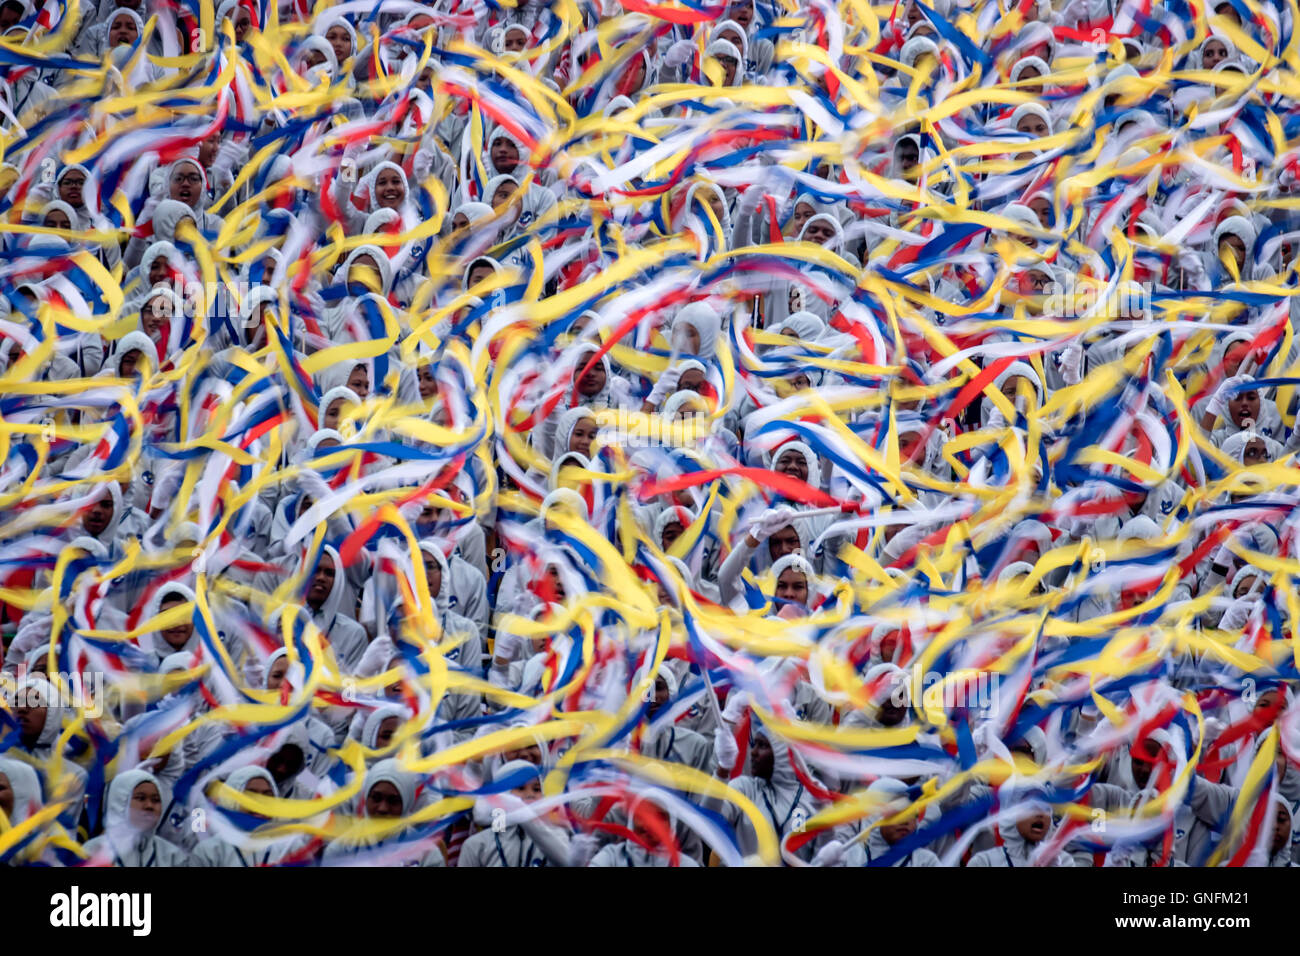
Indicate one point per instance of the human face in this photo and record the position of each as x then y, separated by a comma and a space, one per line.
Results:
428, 384
432, 574
792, 585
322, 582
365, 271
893, 709
71, 188
1033, 281
260, 786
762, 761
1043, 210
1255, 453
530, 791
515, 41
1143, 760
1236, 249
177, 635
1244, 586
57, 219
672, 531
893, 832
1281, 828
503, 193
389, 190
555, 582
1244, 407
275, 679
122, 31
715, 202
792, 462
1213, 54
802, 213
532, 753
126, 368
383, 800
208, 149
818, 233
155, 317
186, 184
505, 155
332, 413
908, 156
688, 336
159, 271
97, 517
145, 809
387, 727
6, 797
359, 381
243, 23
582, 436
594, 380
477, 274
31, 721
285, 762
742, 13
1034, 827
660, 695
1032, 124
1011, 388
797, 383
1268, 700
339, 38
783, 542
729, 65
313, 58
691, 381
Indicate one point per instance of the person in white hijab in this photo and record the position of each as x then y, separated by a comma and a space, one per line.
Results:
132, 811
1027, 827
513, 835
229, 849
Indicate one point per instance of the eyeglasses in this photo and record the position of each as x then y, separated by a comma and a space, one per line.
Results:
193, 179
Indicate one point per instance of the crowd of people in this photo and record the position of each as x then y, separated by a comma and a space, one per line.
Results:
622, 434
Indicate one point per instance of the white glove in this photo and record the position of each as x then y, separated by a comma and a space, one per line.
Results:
313, 485
736, 704
771, 521
229, 155
150, 204
830, 854
666, 385
506, 647
582, 848
1218, 403
158, 187
422, 165
679, 53
1072, 363
724, 748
